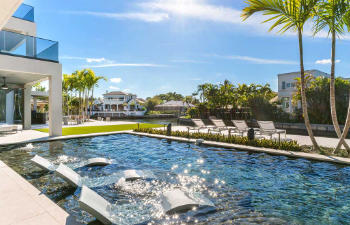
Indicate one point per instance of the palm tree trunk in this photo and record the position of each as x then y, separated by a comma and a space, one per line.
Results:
303, 95
332, 96
346, 128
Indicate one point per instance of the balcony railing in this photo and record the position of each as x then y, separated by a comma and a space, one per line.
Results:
25, 12
28, 46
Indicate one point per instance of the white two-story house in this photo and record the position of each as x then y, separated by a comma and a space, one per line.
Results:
122, 103
25, 60
287, 87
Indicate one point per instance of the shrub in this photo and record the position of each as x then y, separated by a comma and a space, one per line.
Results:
232, 139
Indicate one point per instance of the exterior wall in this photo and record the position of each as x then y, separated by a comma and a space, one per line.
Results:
287, 87
7, 9
20, 26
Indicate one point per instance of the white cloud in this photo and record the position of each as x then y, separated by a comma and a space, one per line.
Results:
147, 17
114, 88
125, 65
126, 90
326, 61
187, 61
257, 60
88, 60
116, 80
98, 60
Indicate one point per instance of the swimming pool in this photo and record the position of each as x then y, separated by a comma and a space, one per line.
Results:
245, 187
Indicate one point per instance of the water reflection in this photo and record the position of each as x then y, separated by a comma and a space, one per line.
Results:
245, 188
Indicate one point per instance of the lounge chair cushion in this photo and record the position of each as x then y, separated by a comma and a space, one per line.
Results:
69, 175
94, 204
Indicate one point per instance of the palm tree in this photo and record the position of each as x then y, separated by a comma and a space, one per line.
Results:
289, 15
333, 14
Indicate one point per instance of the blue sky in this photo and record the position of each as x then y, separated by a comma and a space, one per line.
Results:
149, 47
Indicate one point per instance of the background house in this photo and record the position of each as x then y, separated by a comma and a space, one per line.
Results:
287, 87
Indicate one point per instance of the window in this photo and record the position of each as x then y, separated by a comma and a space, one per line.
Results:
283, 85
288, 85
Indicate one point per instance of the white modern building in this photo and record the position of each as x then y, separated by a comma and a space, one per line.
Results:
25, 60
287, 87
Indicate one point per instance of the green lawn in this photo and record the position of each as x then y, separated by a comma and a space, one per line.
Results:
101, 129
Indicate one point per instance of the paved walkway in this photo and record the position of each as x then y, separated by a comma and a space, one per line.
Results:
302, 140
22, 204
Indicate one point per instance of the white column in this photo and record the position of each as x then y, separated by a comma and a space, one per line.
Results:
10, 107
55, 104
27, 120
35, 104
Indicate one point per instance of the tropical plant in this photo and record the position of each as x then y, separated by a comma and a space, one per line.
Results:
288, 15
332, 14
318, 98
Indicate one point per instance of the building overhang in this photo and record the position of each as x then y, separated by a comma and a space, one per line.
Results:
7, 9
26, 71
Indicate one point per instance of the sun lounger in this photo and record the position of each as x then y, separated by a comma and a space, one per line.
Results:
97, 206
268, 128
177, 201
199, 125
69, 175
242, 127
220, 126
43, 163
49, 166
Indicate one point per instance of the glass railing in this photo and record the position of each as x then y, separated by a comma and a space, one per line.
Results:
25, 12
28, 46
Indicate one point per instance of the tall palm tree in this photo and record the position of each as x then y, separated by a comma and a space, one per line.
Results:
347, 122
332, 14
288, 15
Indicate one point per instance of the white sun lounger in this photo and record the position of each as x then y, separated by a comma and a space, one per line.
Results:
97, 206
199, 125
69, 175
49, 166
268, 128
177, 201
220, 126
43, 163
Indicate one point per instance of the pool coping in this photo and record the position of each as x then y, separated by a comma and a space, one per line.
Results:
22, 203
310, 156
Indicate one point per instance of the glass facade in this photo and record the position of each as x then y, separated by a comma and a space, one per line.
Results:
28, 46
13, 99
25, 12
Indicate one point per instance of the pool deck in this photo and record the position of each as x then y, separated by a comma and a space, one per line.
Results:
22, 204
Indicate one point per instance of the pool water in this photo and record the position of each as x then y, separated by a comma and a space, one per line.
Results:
246, 188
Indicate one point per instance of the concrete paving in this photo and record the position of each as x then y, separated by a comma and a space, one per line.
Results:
22, 204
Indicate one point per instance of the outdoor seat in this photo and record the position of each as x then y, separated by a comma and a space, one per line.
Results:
199, 125
8, 128
43, 163
242, 127
69, 175
96, 205
268, 128
220, 126
177, 201
49, 166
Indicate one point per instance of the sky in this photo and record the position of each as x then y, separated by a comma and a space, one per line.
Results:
149, 47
